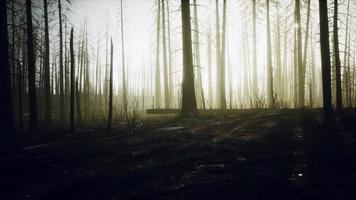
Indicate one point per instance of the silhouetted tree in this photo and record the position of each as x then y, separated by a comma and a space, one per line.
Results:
33, 121
337, 59
189, 104
47, 80
7, 116
157, 69
325, 60
124, 82
72, 82
270, 99
61, 73
110, 89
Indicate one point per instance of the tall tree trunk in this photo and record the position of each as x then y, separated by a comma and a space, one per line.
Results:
78, 97
33, 122
189, 105
47, 80
270, 99
337, 59
325, 60
295, 70
165, 62
301, 77
72, 82
110, 89
210, 86
347, 54
218, 55
222, 60
61, 77
7, 116
254, 72
157, 71
124, 86
306, 39
278, 71
200, 92
170, 66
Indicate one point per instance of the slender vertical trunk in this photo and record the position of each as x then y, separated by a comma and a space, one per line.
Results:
7, 116
33, 122
72, 83
218, 55
306, 39
189, 105
170, 66
110, 89
254, 72
165, 63
222, 61
210, 86
278, 72
301, 79
61, 77
337, 59
157, 74
79, 110
124, 86
295, 70
270, 99
196, 62
347, 54
325, 60
47, 81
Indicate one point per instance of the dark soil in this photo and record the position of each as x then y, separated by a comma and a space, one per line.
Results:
236, 155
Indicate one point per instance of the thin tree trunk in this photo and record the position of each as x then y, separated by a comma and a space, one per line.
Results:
337, 59
72, 82
301, 77
218, 55
33, 122
325, 60
278, 72
47, 80
7, 115
347, 53
165, 63
254, 73
61, 77
170, 66
270, 99
222, 60
157, 74
189, 105
197, 56
110, 90
124, 86
210, 86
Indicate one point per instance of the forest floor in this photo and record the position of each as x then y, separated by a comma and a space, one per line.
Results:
235, 155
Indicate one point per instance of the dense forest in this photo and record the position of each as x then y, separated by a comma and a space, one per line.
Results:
154, 81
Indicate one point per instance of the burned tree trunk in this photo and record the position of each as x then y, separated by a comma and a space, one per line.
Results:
33, 121
47, 80
270, 99
61, 77
157, 70
189, 104
325, 60
110, 89
7, 116
72, 83
337, 59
